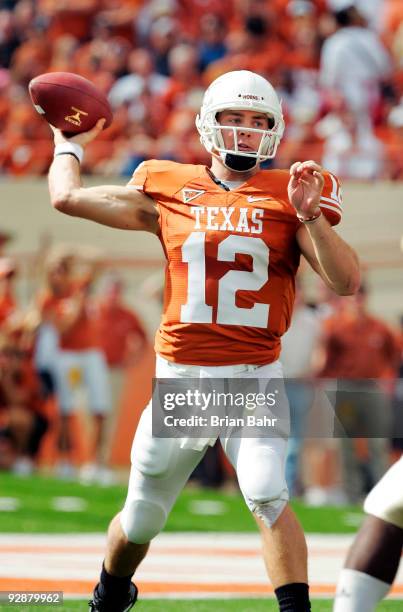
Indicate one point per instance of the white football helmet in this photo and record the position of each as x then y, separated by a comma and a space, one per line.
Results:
240, 90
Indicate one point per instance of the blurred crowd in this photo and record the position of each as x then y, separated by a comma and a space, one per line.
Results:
69, 340
336, 64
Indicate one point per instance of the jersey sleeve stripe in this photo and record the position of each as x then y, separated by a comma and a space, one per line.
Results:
335, 209
331, 201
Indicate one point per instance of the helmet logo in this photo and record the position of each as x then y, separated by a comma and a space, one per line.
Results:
250, 97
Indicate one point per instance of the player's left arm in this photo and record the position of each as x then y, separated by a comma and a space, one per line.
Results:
328, 254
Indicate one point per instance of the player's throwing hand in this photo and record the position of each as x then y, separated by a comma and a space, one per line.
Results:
81, 139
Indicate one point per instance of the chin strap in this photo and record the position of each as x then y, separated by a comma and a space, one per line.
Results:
239, 163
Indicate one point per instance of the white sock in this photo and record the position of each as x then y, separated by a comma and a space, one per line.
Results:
358, 592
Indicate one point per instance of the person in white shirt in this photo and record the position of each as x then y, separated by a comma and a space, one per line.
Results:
354, 62
298, 346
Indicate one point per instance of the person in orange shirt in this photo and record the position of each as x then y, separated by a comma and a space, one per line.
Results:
362, 353
77, 360
232, 235
7, 301
122, 336
73, 17
184, 73
21, 404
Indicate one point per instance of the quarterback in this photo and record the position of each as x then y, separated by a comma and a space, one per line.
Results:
232, 235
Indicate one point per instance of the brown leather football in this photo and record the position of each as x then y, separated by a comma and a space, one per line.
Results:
69, 101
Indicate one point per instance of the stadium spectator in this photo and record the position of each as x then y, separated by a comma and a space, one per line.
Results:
321, 465
122, 336
163, 37
73, 17
9, 41
361, 352
183, 63
142, 76
120, 16
47, 335
8, 304
303, 36
263, 45
347, 151
297, 357
151, 13
22, 421
354, 63
192, 15
211, 45
63, 54
67, 305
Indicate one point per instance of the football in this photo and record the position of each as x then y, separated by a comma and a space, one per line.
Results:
69, 101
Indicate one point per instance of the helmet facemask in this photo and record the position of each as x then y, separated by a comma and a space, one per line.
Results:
238, 159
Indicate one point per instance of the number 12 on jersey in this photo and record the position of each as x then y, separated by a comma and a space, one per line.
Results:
228, 313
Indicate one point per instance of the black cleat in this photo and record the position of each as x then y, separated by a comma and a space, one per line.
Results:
102, 604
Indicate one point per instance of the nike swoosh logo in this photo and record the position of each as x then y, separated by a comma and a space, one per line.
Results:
253, 199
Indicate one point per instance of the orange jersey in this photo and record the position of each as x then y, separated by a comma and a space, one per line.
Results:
232, 257
359, 348
84, 333
116, 325
7, 306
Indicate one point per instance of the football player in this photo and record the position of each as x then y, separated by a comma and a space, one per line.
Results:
374, 557
232, 235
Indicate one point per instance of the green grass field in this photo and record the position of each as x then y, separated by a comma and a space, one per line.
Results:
35, 513
193, 605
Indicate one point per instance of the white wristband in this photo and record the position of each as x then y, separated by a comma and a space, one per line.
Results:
71, 148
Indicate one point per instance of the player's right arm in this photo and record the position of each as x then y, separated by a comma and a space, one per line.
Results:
123, 207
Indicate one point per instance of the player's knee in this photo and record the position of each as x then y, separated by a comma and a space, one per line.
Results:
269, 512
266, 490
142, 520
269, 500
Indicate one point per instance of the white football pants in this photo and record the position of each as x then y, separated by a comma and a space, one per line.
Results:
161, 467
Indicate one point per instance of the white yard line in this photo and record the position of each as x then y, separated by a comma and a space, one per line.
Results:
205, 559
